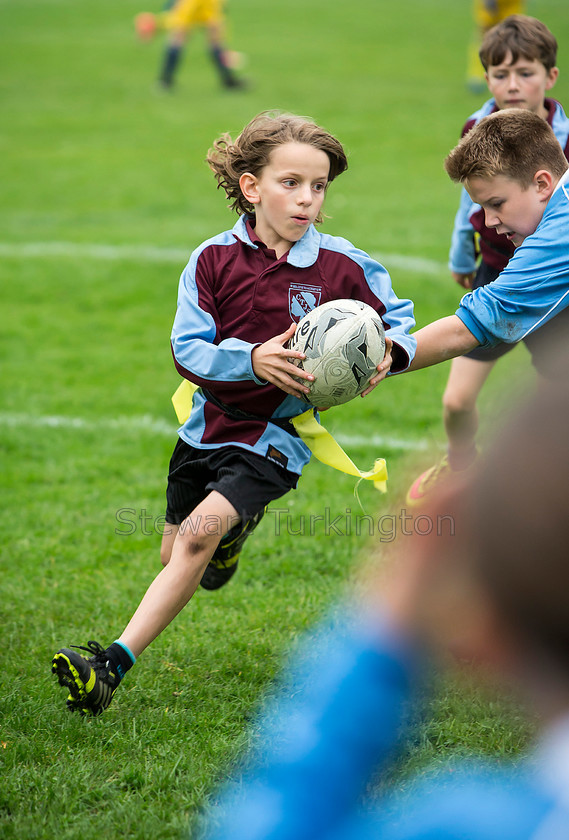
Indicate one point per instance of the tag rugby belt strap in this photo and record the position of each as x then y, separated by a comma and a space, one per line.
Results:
305, 426
238, 413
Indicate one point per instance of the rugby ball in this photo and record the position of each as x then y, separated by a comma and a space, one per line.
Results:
344, 341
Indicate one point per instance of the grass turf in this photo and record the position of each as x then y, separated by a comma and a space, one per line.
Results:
93, 156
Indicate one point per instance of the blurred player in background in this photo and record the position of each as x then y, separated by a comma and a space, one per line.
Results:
179, 19
519, 56
486, 14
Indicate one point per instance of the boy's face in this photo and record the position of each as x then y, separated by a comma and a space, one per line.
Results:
287, 194
521, 85
510, 208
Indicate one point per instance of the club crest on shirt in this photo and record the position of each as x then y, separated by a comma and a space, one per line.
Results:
302, 299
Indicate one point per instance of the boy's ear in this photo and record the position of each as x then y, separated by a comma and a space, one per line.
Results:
545, 183
248, 185
552, 77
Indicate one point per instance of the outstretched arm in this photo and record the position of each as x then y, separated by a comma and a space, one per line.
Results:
443, 339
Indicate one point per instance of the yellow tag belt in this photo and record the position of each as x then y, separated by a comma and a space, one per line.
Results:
320, 442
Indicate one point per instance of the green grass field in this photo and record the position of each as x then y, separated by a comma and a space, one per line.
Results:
104, 195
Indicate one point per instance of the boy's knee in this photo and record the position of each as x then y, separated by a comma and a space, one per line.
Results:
165, 554
168, 538
458, 402
195, 545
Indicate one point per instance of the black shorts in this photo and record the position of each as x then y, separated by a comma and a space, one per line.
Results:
248, 481
486, 274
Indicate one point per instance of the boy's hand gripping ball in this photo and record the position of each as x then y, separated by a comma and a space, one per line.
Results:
344, 342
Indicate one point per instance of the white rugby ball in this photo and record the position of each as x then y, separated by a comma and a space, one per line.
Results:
344, 341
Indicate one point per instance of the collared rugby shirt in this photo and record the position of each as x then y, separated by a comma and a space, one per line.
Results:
234, 294
529, 300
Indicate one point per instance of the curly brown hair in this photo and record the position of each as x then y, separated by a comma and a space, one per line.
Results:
251, 151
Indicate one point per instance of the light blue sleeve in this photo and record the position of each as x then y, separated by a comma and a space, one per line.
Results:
560, 125
194, 332
467, 801
399, 313
333, 724
335, 721
462, 256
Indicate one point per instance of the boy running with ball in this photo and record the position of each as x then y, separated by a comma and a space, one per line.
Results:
519, 56
237, 297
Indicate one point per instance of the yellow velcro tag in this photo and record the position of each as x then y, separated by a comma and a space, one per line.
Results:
324, 447
318, 439
183, 398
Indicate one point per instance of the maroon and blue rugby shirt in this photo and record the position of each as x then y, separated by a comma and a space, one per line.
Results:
234, 295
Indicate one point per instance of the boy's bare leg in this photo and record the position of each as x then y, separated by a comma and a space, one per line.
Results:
168, 539
186, 551
460, 415
466, 378
193, 546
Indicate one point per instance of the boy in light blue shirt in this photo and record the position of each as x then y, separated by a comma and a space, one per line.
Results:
520, 57
513, 167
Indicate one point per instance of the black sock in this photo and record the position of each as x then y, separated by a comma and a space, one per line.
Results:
172, 57
227, 75
120, 658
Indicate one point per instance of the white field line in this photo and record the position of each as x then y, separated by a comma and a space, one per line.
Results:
179, 256
155, 426
74, 250
145, 423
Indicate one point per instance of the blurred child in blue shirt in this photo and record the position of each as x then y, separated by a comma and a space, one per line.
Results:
488, 582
